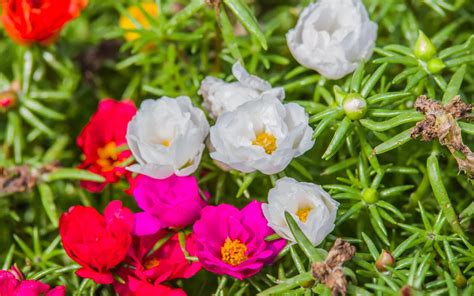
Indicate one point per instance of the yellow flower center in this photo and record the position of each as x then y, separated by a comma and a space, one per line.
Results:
233, 252
151, 263
138, 17
166, 143
267, 141
303, 214
108, 157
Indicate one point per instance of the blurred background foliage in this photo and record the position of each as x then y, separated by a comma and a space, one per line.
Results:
397, 198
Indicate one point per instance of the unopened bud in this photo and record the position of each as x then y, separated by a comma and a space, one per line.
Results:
370, 195
435, 65
354, 106
424, 48
16, 272
385, 259
460, 280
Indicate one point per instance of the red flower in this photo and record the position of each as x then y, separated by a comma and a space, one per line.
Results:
101, 139
98, 243
164, 264
135, 287
12, 282
30, 21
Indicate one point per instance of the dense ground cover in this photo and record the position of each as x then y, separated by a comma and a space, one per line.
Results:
388, 135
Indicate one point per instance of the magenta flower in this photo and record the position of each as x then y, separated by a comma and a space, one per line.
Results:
232, 241
12, 283
172, 202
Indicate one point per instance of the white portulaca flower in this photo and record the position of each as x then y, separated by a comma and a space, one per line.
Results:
220, 96
166, 137
332, 37
262, 135
312, 208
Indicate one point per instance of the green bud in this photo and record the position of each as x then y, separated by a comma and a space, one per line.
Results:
354, 106
460, 280
424, 48
370, 195
435, 65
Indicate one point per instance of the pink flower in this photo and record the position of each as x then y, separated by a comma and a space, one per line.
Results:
12, 283
97, 242
166, 263
172, 202
231, 241
136, 287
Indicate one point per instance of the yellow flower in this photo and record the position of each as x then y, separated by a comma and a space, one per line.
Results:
136, 13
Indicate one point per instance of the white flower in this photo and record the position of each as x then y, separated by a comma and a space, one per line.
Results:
166, 137
220, 96
332, 37
312, 208
262, 135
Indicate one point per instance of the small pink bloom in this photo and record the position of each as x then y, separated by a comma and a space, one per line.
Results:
12, 285
232, 241
172, 202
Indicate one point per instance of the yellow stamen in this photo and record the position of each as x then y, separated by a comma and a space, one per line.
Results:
108, 156
166, 143
233, 252
151, 263
267, 141
303, 214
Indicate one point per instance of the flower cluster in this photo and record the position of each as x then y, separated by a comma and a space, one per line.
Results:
175, 230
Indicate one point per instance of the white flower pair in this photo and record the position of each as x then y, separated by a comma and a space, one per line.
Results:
253, 131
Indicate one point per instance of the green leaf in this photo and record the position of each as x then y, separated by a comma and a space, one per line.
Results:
374, 78
47, 199
247, 19
338, 138
394, 142
36, 122
248, 179
441, 195
72, 174
228, 35
43, 110
304, 243
454, 85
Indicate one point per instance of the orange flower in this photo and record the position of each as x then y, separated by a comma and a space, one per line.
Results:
38, 21
136, 13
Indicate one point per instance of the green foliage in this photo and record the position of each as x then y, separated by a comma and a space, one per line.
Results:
396, 193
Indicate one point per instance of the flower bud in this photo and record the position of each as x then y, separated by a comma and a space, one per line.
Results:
385, 259
460, 280
370, 195
16, 272
424, 48
435, 65
354, 106
6, 102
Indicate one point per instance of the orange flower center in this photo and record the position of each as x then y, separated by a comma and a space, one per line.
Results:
151, 263
108, 157
233, 252
267, 141
303, 214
